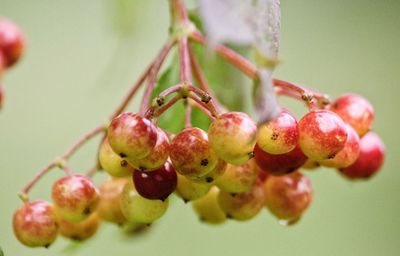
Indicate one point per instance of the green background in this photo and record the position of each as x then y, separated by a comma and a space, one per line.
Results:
78, 65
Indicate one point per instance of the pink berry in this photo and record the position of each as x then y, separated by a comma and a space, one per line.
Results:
157, 184
233, 136
370, 159
348, 154
322, 134
356, 111
279, 164
11, 42
280, 135
35, 224
132, 136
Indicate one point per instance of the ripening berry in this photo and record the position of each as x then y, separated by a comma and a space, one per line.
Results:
82, 230
110, 196
2, 65
207, 208
191, 153
75, 197
157, 184
35, 224
310, 165
349, 154
112, 163
280, 164
190, 190
243, 206
356, 111
132, 136
1, 95
288, 196
280, 135
370, 159
322, 134
239, 178
11, 42
158, 155
233, 136
138, 209
215, 174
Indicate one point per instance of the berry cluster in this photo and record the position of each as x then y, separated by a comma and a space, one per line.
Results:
231, 171
11, 48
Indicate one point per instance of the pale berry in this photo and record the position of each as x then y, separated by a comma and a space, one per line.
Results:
110, 196
215, 174
112, 163
189, 190
82, 230
208, 209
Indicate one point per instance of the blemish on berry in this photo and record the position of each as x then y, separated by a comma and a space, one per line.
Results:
233, 194
209, 179
124, 163
204, 162
229, 216
274, 136
331, 156
186, 201
87, 211
122, 155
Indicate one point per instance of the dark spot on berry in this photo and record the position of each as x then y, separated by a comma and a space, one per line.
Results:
124, 163
274, 136
47, 246
229, 216
122, 155
87, 211
331, 156
233, 194
142, 169
148, 225
251, 155
204, 162
76, 238
209, 179
202, 219
162, 199
186, 201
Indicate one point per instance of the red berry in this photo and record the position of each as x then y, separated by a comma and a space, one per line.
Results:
370, 159
191, 153
322, 134
75, 197
287, 197
233, 136
356, 111
132, 136
157, 184
35, 224
279, 164
11, 42
1, 95
280, 135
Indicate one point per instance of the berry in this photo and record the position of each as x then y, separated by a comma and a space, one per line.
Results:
215, 174
138, 209
112, 163
233, 136
279, 164
370, 159
310, 165
157, 157
207, 208
82, 230
322, 134
243, 206
287, 197
348, 154
11, 42
191, 190
75, 197
356, 111
132, 136
35, 224
110, 196
191, 153
1, 95
238, 178
158, 184
2, 64
280, 135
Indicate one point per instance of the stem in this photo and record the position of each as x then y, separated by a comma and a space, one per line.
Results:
184, 61
153, 74
188, 114
203, 109
208, 105
166, 106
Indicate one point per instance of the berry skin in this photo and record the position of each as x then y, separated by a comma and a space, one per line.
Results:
35, 224
356, 111
189, 190
238, 178
75, 197
132, 136
370, 159
110, 196
82, 230
158, 184
112, 163
138, 209
1, 95
280, 135
348, 154
207, 208
191, 153
233, 136
243, 206
322, 134
279, 164
287, 197
11, 42
2, 65
215, 174
157, 157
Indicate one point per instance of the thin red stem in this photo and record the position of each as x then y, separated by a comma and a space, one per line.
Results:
188, 114
184, 61
208, 105
203, 109
165, 107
